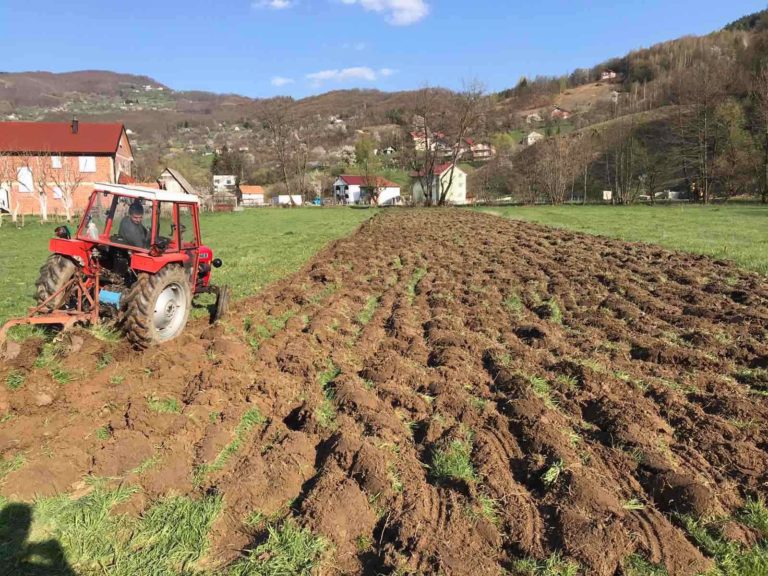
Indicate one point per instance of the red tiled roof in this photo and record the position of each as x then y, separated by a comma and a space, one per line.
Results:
58, 138
362, 181
247, 189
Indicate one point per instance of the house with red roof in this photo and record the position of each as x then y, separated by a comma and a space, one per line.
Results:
559, 113
50, 167
448, 180
352, 189
252, 195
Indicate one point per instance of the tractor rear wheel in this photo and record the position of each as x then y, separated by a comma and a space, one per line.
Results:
54, 275
157, 306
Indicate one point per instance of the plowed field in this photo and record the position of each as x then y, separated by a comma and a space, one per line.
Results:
441, 392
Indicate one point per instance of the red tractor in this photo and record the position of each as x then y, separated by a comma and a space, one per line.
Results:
136, 258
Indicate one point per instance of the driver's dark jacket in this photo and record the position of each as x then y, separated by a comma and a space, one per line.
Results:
133, 234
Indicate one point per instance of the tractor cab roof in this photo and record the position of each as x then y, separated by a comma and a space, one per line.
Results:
146, 193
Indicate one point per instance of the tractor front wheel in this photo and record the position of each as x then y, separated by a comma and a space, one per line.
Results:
54, 275
157, 306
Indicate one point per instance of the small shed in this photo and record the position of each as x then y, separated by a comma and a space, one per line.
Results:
285, 200
352, 189
252, 195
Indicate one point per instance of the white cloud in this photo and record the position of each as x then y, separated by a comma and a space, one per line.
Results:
347, 74
398, 12
281, 81
273, 4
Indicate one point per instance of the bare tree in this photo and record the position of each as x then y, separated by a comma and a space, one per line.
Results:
556, 166
290, 151
443, 122
468, 111
8, 176
427, 106
38, 166
67, 178
737, 164
702, 94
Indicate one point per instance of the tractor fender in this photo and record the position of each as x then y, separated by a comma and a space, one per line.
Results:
153, 264
76, 250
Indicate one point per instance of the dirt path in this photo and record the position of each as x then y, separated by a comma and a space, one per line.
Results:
598, 387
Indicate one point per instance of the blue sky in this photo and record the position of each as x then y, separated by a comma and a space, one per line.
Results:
262, 48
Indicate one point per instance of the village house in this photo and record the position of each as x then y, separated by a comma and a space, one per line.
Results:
455, 190
252, 195
51, 167
226, 195
172, 180
607, 75
436, 141
224, 183
559, 113
532, 138
350, 189
480, 151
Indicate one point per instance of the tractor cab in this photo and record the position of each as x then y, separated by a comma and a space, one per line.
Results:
148, 228
140, 219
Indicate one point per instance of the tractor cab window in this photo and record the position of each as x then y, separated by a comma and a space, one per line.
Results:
132, 222
166, 228
186, 227
95, 221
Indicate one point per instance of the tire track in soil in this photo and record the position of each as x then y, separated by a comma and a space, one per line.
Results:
634, 366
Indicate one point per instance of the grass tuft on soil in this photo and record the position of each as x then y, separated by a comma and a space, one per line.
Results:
326, 412
288, 549
14, 380
636, 565
250, 419
452, 461
368, 311
555, 565
163, 405
733, 558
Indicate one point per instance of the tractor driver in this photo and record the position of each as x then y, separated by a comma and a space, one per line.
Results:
132, 230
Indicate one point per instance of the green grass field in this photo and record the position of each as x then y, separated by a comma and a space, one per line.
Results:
257, 247
737, 232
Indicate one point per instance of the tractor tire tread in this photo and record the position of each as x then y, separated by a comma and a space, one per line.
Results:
54, 274
139, 301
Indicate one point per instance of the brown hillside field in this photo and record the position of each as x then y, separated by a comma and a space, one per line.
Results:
453, 389
582, 98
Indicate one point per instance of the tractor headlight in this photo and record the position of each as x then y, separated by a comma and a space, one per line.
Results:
217, 263
62, 232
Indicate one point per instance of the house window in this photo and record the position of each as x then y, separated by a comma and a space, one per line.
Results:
25, 180
87, 164
57, 193
55, 161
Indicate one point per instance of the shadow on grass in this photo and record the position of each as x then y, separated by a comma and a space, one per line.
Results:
23, 558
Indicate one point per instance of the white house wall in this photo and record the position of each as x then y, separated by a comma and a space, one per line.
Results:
388, 194
457, 194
